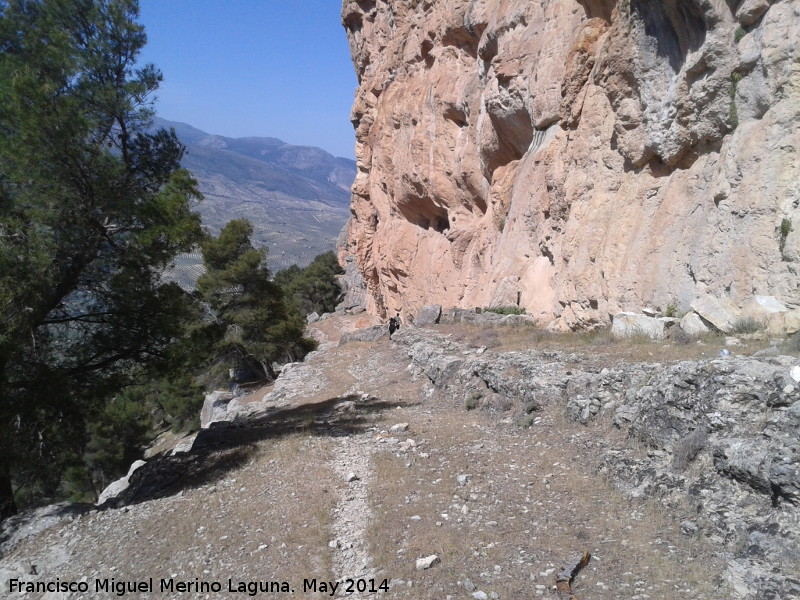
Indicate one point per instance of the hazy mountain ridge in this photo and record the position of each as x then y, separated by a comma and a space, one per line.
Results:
297, 197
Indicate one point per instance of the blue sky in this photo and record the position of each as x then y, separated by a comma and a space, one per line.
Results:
274, 68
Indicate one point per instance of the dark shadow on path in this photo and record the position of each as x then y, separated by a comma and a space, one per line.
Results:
227, 446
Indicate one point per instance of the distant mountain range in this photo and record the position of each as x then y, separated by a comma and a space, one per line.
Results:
297, 197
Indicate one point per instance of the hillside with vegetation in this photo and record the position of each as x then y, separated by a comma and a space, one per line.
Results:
297, 197
98, 350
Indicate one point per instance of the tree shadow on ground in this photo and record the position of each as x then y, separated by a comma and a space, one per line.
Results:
228, 446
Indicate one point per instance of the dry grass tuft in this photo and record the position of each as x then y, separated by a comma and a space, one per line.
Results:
599, 346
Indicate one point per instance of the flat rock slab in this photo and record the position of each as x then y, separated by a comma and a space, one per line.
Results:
367, 334
627, 324
693, 325
428, 315
722, 313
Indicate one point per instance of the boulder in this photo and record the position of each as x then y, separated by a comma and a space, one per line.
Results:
722, 313
791, 322
367, 334
354, 289
783, 323
427, 562
628, 324
751, 11
428, 315
693, 325
215, 408
764, 308
120, 485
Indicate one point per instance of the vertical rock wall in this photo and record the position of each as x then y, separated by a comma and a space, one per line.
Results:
575, 158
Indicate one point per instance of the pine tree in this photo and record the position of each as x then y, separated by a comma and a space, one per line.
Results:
92, 208
261, 328
314, 288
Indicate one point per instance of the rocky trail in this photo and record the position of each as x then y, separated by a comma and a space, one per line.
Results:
432, 467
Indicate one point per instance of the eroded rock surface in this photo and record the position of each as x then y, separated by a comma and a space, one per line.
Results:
578, 159
372, 455
720, 439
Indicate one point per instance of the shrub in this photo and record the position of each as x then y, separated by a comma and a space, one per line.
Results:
471, 402
739, 34
747, 325
505, 310
314, 288
671, 310
529, 406
525, 421
786, 228
117, 438
792, 343
733, 116
600, 337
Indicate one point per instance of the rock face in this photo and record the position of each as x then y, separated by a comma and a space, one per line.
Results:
578, 159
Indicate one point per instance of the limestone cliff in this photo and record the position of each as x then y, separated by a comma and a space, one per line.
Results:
577, 158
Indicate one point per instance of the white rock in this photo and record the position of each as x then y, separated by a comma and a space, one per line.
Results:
351, 476
427, 562
399, 427
184, 446
770, 304
722, 313
120, 485
215, 408
627, 324
693, 325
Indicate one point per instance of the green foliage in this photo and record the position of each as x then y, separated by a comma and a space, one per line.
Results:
786, 229
314, 288
260, 326
739, 34
733, 113
117, 437
671, 310
92, 208
505, 310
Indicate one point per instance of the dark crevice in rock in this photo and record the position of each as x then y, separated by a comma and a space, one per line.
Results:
425, 213
456, 114
462, 38
513, 129
353, 21
598, 9
678, 27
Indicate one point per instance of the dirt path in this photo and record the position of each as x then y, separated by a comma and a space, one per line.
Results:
502, 508
352, 514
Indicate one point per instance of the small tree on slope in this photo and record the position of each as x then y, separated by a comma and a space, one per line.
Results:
260, 326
